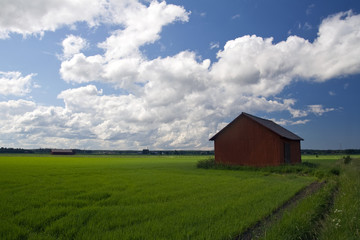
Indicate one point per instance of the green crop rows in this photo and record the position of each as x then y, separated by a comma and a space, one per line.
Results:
88, 197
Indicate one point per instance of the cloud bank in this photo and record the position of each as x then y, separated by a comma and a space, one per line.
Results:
38, 16
13, 83
177, 101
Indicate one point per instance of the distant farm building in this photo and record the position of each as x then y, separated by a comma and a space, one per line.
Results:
254, 141
62, 152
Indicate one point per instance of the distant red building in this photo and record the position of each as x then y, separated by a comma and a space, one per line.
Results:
254, 141
62, 152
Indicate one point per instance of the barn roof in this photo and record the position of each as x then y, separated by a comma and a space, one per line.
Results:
279, 130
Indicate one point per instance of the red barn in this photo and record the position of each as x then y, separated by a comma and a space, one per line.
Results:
62, 152
254, 141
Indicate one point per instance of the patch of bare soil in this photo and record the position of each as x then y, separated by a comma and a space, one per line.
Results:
257, 230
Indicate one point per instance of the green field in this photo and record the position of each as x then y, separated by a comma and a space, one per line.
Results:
112, 197
332, 213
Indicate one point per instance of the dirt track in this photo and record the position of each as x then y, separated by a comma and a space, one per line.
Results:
258, 229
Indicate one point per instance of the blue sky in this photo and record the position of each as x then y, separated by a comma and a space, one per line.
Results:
127, 74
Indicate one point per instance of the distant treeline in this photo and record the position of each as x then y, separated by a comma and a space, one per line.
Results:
110, 152
15, 150
163, 152
144, 152
330, 152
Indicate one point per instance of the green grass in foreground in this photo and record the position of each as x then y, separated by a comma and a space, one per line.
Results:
343, 221
319, 216
79, 197
303, 221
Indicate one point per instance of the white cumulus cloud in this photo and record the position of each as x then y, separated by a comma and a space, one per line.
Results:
122, 58
257, 66
179, 101
169, 95
38, 16
72, 45
14, 83
142, 25
318, 109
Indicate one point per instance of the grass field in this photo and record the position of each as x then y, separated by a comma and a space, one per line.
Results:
332, 213
343, 221
111, 197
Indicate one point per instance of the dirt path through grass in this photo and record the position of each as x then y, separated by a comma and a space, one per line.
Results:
259, 228
343, 221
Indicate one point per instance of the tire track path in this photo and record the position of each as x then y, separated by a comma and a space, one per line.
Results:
258, 230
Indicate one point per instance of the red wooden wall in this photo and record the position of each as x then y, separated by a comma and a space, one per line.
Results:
246, 142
